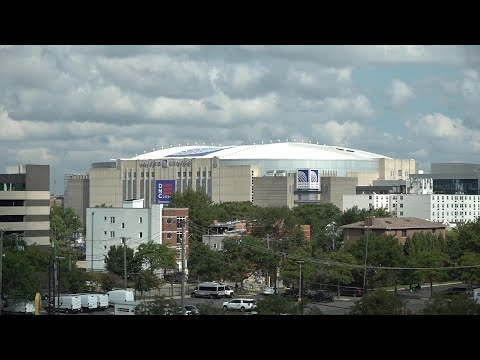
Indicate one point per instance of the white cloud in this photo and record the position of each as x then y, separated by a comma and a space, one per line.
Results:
399, 92
339, 134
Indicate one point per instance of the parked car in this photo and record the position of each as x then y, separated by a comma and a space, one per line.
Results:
349, 291
240, 304
458, 290
294, 293
322, 296
268, 290
228, 292
191, 310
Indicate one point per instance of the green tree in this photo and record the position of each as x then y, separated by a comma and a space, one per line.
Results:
235, 210
379, 302
20, 280
199, 210
290, 270
160, 306
239, 264
115, 261
205, 263
459, 304
337, 271
145, 280
383, 251
209, 308
156, 256
276, 305
471, 275
433, 261
109, 281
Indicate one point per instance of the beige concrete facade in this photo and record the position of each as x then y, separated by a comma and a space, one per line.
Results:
396, 169
77, 190
333, 189
105, 187
274, 191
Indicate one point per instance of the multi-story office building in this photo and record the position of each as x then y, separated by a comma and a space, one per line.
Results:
108, 226
25, 203
77, 190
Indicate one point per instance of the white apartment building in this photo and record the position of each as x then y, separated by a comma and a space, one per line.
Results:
454, 208
108, 226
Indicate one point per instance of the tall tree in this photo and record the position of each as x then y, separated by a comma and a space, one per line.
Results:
156, 256
205, 263
114, 261
471, 275
199, 210
235, 210
337, 271
452, 305
433, 261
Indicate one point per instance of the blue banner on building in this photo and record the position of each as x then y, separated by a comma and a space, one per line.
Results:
163, 191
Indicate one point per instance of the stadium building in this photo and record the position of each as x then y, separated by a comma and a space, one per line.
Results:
227, 173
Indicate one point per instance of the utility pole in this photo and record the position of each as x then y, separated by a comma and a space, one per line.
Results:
56, 300
1, 269
49, 281
365, 266
300, 262
333, 235
183, 266
124, 241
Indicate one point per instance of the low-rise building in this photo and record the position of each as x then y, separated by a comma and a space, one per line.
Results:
401, 228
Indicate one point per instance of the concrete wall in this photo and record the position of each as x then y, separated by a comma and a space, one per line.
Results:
77, 194
105, 187
334, 188
274, 191
389, 169
233, 183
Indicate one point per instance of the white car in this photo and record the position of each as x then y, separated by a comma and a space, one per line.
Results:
240, 304
267, 290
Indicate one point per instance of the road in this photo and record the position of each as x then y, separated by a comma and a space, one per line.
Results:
415, 302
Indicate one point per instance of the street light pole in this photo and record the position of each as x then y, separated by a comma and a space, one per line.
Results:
124, 241
1, 269
183, 266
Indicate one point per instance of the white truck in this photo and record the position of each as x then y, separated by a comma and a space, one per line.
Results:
102, 301
119, 296
19, 307
125, 308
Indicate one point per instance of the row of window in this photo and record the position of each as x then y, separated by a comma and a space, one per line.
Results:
12, 187
179, 174
456, 206
456, 213
169, 236
457, 197
140, 220
399, 172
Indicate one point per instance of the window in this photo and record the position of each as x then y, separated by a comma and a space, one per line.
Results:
169, 220
112, 220
210, 173
180, 219
140, 234
404, 233
401, 197
190, 174
198, 173
142, 174
179, 173
184, 174
401, 213
399, 172
140, 220
123, 225
179, 237
215, 246
105, 218
204, 173
112, 234
105, 247
104, 233
401, 205
153, 174
169, 236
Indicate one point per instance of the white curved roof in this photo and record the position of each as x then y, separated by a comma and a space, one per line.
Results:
273, 151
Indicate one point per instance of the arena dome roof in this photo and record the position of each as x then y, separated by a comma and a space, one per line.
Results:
272, 151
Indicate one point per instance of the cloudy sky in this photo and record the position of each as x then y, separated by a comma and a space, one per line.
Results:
69, 106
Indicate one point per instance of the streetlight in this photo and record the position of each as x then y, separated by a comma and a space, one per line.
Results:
93, 213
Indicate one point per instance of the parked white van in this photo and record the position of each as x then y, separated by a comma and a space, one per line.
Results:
476, 295
88, 301
19, 307
209, 290
119, 296
102, 301
68, 303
